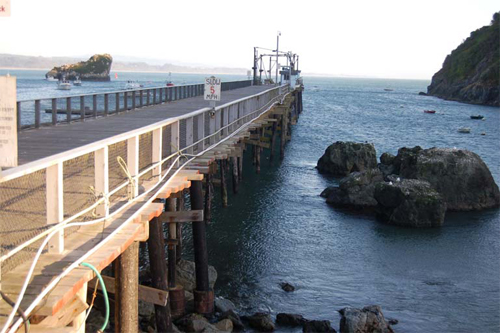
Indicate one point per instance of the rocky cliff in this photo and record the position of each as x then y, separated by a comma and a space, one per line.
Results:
470, 73
97, 68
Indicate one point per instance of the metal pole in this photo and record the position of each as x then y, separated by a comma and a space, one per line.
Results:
277, 51
254, 66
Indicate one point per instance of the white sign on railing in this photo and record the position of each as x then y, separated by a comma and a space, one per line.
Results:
212, 89
8, 122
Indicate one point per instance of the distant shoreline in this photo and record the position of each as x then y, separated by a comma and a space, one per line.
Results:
122, 71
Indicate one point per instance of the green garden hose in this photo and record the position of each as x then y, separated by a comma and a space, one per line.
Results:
104, 291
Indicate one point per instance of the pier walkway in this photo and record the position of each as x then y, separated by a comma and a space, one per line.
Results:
87, 192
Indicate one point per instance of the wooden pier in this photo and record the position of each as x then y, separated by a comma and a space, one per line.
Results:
101, 186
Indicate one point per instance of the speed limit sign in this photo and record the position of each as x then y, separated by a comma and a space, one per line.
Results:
212, 89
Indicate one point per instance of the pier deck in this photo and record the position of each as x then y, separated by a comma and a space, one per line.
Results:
58, 164
46, 141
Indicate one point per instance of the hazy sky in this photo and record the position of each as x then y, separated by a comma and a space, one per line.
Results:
394, 39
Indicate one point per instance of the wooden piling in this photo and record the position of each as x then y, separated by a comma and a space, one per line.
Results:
156, 249
127, 298
223, 185
203, 296
258, 149
282, 137
172, 235
240, 168
273, 141
207, 213
234, 165
180, 207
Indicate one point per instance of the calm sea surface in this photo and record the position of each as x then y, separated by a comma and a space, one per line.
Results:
279, 229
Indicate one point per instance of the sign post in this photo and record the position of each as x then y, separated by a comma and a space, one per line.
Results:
8, 122
212, 90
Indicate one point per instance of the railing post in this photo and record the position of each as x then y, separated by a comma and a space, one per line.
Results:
82, 108
94, 105
154, 96
125, 101
55, 204
156, 151
133, 163
161, 95
117, 102
133, 99
189, 134
211, 129
140, 98
148, 91
37, 113
102, 180
174, 137
54, 111
218, 118
225, 120
201, 132
106, 106
68, 109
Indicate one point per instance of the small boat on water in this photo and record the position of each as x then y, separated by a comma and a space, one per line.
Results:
64, 85
429, 111
387, 89
464, 130
169, 82
132, 85
51, 79
479, 117
77, 82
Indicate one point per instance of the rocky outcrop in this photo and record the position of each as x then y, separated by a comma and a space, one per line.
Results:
262, 322
370, 319
355, 190
410, 202
470, 73
318, 326
342, 158
186, 275
97, 68
460, 176
290, 319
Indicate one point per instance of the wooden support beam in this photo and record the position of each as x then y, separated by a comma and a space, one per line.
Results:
181, 216
146, 294
257, 143
66, 315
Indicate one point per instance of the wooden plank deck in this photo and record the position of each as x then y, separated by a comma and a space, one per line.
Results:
39, 143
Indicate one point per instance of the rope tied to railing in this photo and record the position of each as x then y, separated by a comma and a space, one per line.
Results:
97, 198
131, 179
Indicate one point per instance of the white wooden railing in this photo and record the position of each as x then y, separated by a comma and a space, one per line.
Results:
149, 150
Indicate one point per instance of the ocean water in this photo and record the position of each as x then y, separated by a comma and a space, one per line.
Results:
278, 228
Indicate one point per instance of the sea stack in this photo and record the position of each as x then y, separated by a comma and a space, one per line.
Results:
97, 68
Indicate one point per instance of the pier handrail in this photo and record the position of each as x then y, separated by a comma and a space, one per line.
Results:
210, 125
79, 107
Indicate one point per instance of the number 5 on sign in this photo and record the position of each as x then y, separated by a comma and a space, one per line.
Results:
212, 89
